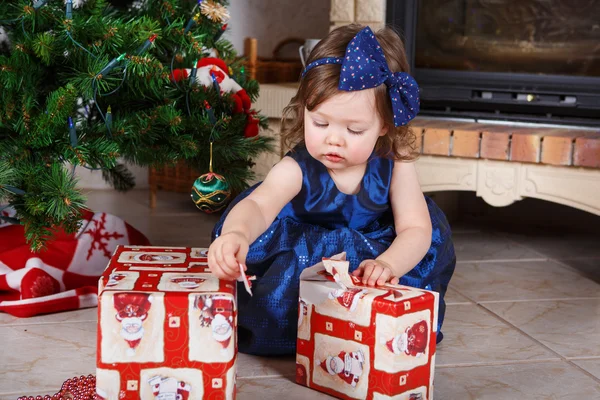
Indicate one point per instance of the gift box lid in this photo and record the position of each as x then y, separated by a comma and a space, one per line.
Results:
331, 281
161, 269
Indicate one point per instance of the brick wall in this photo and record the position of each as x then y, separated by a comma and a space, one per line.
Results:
365, 12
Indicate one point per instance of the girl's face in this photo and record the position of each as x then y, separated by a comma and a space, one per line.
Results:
342, 131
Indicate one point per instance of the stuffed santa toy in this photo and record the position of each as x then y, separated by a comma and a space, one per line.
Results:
348, 298
168, 388
217, 312
348, 366
413, 342
212, 68
132, 311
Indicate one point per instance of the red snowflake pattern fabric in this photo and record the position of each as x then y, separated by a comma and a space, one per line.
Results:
100, 236
65, 276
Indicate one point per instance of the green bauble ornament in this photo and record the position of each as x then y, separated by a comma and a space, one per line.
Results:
211, 192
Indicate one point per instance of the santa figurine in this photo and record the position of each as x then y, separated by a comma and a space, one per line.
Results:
413, 342
217, 312
348, 366
348, 298
132, 310
167, 388
213, 68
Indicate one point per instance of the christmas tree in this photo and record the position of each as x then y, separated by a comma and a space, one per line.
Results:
86, 85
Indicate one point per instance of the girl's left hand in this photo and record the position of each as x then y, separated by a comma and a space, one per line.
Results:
375, 272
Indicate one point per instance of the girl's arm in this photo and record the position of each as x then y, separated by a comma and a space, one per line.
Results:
411, 220
251, 217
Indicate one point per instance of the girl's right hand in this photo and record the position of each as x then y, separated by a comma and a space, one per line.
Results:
226, 254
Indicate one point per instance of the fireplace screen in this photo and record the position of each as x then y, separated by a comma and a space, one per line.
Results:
559, 37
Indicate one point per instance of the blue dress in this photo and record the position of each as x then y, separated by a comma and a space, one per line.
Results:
322, 221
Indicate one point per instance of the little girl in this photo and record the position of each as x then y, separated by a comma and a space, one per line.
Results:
347, 186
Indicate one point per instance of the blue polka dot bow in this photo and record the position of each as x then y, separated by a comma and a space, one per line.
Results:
364, 67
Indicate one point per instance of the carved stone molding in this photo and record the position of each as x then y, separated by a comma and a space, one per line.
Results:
443, 173
500, 183
574, 187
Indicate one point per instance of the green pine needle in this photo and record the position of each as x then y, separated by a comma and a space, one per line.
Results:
119, 177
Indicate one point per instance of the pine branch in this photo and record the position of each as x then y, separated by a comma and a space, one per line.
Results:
119, 177
8, 177
62, 199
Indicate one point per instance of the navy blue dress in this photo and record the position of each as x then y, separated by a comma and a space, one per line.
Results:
322, 221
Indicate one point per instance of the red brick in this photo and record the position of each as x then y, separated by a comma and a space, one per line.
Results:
587, 152
556, 150
494, 143
526, 147
466, 143
436, 141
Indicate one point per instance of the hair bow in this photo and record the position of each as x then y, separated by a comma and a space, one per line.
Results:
364, 67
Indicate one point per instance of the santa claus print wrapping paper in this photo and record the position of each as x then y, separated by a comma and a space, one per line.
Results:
167, 327
359, 342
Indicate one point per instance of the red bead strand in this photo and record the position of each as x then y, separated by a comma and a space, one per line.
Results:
77, 388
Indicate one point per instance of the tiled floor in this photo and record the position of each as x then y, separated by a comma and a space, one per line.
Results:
523, 317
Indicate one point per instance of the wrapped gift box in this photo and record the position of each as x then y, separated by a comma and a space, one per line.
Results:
166, 327
360, 342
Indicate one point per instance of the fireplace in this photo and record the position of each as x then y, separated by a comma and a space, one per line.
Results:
513, 60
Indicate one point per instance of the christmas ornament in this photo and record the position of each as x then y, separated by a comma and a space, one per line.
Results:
214, 11
211, 192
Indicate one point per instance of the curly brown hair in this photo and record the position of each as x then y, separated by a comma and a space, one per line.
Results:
321, 83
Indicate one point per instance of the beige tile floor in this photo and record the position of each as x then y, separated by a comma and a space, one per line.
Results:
523, 317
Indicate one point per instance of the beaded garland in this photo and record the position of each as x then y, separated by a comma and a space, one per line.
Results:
82, 388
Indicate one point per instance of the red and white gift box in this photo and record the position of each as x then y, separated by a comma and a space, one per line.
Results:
166, 327
360, 342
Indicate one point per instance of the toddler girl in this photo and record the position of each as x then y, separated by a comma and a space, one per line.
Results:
347, 185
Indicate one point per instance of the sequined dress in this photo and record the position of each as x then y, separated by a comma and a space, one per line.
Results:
322, 221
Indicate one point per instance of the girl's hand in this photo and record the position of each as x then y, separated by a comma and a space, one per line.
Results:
226, 254
375, 272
